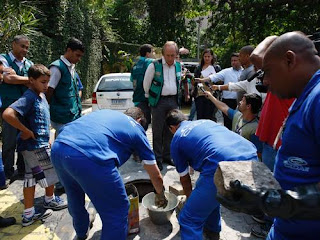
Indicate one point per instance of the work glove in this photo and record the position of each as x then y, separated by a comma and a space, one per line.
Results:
161, 200
301, 203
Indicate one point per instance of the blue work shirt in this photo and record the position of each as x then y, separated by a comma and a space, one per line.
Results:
298, 159
203, 144
35, 115
107, 135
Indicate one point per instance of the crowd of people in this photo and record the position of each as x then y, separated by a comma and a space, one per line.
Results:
279, 127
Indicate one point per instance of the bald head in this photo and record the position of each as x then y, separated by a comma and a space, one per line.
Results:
257, 55
296, 42
289, 63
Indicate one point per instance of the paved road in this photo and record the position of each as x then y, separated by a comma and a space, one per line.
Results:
235, 226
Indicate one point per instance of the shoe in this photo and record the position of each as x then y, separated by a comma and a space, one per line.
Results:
211, 235
37, 216
160, 166
259, 218
6, 222
260, 231
5, 186
56, 204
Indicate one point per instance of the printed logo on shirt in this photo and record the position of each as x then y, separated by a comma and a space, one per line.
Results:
186, 130
297, 164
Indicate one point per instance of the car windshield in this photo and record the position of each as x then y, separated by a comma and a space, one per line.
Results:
111, 84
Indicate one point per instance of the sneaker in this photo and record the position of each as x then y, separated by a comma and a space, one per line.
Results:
37, 216
56, 204
260, 231
259, 218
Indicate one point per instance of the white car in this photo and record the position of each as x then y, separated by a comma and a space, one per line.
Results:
113, 91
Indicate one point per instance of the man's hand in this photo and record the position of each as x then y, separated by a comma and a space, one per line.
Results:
244, 199
215, 87
27, 134
161, 200
9, 70
208, 95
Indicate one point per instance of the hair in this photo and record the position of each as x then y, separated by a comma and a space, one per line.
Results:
17, 38
208, 50
172, 43
254, 100
37, 70
144, 49
75, 44
137, 113
247, 49
234, 54
175, 117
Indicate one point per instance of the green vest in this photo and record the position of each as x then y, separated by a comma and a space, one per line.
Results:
137, 76
65, 104
11, 92
157, 82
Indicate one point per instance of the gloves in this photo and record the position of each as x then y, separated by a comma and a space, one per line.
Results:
302, 203
160, 200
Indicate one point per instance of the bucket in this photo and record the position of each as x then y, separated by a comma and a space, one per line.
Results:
133, 216
160, 216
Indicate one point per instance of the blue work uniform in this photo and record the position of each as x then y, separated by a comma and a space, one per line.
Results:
86, 155
298, 159
202, 145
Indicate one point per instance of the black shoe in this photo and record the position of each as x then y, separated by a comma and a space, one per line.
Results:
160, 165
6, 222
260, 231
59, 191
5, 186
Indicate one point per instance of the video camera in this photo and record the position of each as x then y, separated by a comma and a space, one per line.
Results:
260, 74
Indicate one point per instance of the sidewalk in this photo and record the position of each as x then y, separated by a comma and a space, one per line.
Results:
235, 226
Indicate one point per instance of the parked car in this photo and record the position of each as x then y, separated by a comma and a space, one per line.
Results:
113, 91
191, 66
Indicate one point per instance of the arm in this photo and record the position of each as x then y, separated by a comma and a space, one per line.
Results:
155, 176
11, 116
186, 184
220, 105
241, 86
148, 77
224, 87
11, 78
49, 94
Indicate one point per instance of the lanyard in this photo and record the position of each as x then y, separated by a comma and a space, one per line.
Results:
237, 130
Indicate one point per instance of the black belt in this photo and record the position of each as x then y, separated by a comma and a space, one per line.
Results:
169, 96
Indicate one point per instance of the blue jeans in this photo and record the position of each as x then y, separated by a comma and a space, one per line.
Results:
268, 155
101, 181
201, 210
2, 175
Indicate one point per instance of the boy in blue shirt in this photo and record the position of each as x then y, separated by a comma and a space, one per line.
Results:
30, 114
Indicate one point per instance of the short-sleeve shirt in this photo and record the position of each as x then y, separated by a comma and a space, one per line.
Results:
298, 159
242, 127
107, 135
35, 115
202, 144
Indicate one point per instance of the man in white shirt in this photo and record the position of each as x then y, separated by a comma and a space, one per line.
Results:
63, 93
161, 85
227, 75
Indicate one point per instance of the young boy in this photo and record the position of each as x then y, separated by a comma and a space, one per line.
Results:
30, 114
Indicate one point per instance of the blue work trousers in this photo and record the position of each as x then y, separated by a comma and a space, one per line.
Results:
201, 210
268, 155
101, 181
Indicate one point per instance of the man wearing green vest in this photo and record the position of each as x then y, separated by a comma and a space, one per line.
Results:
63, 93
12, 87
161, 85
137, 76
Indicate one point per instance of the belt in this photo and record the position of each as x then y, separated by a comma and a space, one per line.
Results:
169, 96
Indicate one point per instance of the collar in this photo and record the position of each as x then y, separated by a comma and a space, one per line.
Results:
315, 80
66, 61
237, 70
13, 58
165, 63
